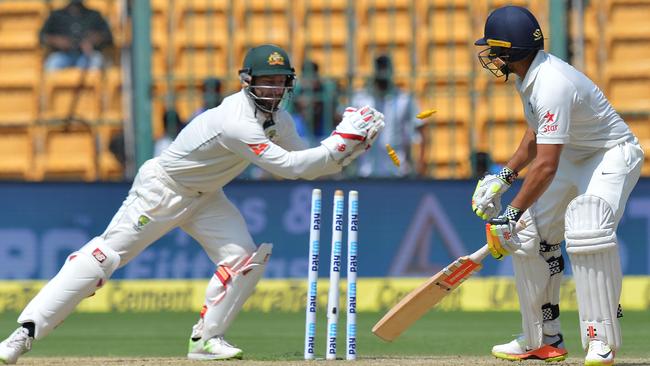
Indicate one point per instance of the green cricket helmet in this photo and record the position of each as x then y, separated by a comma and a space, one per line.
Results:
267, 60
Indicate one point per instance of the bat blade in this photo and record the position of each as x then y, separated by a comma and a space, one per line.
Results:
418, 302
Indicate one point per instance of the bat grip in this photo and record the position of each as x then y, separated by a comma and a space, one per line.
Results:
479, 255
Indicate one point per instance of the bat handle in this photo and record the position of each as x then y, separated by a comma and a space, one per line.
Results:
479, 255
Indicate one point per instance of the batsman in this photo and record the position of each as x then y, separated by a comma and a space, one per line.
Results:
184, 188
583, 162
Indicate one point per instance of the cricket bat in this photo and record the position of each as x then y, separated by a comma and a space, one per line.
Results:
414, 305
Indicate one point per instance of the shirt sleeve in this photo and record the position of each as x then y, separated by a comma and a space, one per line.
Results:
553, 111
252, 145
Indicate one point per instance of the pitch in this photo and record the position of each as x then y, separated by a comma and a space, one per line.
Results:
440, 337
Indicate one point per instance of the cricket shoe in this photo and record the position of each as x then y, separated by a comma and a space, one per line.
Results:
599, 353
213, 349
552, 350
15, 345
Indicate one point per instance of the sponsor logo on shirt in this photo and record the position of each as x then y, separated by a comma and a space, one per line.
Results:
99, 255
258, 149
549, 120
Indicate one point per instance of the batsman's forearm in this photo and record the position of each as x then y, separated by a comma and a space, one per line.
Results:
539, 177
525, 153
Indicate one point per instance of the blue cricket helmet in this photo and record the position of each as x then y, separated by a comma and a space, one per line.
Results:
512, 27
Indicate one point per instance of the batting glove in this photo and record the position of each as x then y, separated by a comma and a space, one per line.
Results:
486, 200
502, 238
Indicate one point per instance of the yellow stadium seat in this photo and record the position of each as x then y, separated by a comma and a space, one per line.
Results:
243, 8
448, 151
502, 139
452, 105
260, 28
112, 110
200, 58
324, 29
446, 61
629, 94
109, 168
501, 104
386, 29
640, 125
17, 153
367, 9
448, 26
72, 89
20, 65
628, 20
303, 9
21, 19
332, 61
18, 102
68, 155
628, 59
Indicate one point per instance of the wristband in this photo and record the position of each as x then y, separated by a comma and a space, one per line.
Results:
513, 213
507, 175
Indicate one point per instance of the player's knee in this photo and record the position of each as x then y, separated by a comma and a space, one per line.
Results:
589, 225
105, 257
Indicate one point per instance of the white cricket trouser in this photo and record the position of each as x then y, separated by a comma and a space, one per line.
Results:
610, 174
156, 204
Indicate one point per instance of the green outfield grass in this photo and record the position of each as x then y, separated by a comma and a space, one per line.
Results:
279, 336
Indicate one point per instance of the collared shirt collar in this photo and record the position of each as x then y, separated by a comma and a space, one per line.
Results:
533, 70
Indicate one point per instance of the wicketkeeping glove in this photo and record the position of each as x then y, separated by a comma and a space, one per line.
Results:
352, 133
486, 200
502, 238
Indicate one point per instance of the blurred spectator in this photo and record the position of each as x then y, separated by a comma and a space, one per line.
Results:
75, 36
173, 125
402, 127
212, 95
314, 104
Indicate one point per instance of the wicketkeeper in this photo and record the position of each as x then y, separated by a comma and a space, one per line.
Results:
184, 188
583, 163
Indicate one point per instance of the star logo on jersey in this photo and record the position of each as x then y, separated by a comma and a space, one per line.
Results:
275, 59
258, 149
549, 117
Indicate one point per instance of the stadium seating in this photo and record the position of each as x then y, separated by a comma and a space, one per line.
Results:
17, 152
72, 93
66, 154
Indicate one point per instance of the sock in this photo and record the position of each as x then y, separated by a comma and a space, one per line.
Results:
554, 340
31, 328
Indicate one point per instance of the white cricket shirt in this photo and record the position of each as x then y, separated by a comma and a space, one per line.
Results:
218, 144
566, 107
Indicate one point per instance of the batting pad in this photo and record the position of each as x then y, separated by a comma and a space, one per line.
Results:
531, 276
229, 288
592, 247
83, 273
